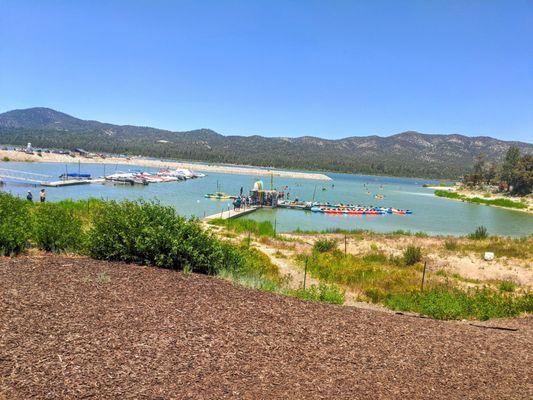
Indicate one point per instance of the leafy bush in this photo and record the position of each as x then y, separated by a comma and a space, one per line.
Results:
56, 229
15, 224
5, 159
324, 245
148, 233
480, 233
412, 255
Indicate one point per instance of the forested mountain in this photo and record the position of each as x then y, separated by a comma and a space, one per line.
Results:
404, 154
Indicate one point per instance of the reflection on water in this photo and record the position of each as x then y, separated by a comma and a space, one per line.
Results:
431, 214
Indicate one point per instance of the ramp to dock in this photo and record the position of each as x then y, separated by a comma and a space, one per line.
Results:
228, 214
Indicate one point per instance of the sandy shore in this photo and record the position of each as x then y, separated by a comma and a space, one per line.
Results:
143, 162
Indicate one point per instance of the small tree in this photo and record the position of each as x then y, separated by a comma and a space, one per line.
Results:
512, 158
523, 176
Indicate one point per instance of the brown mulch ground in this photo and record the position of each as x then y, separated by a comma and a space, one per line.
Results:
139, 332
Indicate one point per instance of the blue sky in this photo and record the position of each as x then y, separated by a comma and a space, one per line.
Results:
276, 68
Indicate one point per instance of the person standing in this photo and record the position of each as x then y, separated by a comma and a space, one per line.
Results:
29, 196
42, 195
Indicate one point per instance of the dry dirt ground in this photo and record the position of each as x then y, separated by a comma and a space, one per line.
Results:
79, 328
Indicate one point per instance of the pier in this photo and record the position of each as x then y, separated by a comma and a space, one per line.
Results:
228, 214
72, 182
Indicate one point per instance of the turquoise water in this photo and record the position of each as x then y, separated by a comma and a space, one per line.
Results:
431, 214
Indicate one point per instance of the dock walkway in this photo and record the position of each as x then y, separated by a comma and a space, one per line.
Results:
228, 214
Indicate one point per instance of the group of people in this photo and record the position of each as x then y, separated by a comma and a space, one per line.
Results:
42, 196
241, 201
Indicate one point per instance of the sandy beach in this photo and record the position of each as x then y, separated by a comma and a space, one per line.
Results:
143, 162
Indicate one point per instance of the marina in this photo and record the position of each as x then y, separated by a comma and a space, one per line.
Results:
433, 215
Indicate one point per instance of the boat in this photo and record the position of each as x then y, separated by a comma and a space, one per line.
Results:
219, 196
75, 176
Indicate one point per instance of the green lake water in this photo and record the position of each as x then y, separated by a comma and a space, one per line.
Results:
430, 214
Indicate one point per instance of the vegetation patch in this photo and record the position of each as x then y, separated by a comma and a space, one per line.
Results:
389, 281
477, 200
324, 245
244, 225
15, 225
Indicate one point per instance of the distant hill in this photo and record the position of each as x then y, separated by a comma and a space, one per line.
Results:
404, 154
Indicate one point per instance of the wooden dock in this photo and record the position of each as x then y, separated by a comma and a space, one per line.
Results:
228, 214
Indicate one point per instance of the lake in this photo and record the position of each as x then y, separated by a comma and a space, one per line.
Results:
433, 215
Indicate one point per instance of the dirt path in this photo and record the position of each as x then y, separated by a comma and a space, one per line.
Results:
73, 328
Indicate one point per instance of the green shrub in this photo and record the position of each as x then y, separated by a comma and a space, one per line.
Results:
450, 245
323, 292
412, 255
5, 159
15, 224
148, 233
324, 245
56, 228
480, 233
507, 286
450, 303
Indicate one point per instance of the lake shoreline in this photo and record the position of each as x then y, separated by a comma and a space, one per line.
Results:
18, 156
473, 194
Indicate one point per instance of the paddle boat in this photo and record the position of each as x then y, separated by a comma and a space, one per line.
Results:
219, 196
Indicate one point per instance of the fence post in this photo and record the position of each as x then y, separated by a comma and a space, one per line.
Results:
275, 226
345, 244
423, 276
305, 271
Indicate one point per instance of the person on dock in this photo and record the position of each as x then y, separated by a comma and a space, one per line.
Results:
42, 195
29, 196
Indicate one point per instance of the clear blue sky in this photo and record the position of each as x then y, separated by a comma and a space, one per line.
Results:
276, 68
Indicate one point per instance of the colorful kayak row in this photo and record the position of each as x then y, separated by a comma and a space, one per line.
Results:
359, 211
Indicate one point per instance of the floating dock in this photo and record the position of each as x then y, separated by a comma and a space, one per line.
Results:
72, 182
228, 214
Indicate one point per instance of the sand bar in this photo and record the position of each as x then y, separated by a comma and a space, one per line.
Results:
144, 162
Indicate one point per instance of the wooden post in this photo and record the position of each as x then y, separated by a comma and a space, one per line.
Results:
423, 276
305, 271
275, 226
345, 244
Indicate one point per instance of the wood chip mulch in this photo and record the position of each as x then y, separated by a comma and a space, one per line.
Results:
75, 328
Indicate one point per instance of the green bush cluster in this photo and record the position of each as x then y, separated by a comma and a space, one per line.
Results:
15, 225
56, 228
442, 302
412, 255
324, 245
149, 233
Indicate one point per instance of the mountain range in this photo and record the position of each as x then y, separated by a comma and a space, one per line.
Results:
404, 154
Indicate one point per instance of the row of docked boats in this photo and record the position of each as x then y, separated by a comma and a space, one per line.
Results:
139, 177
349, 209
